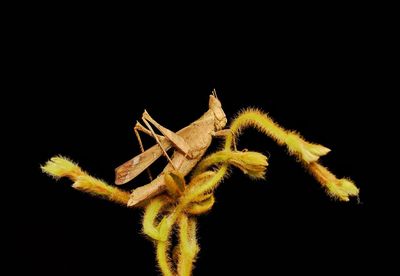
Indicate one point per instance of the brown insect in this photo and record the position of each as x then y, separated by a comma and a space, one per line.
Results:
190, 143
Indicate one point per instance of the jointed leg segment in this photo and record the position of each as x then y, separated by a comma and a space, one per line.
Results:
138, 127
156, 138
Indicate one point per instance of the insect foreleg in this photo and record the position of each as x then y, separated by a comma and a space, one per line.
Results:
224, 133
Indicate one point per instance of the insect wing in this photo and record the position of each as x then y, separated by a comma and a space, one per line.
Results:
132, 168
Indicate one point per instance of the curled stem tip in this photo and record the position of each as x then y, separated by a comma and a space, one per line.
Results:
341, 189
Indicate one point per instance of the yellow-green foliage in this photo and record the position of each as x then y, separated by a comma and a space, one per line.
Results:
296, 145
306, 152
175, 183
177, 209
62, 167
150, 215
194, 201
340, 189
188, 247
249, 162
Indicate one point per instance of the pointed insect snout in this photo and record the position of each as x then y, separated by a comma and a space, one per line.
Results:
214, 102
219, 114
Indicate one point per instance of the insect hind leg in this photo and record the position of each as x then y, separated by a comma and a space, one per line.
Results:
156, 137
138, 127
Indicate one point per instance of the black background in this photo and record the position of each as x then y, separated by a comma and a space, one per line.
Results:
88, 83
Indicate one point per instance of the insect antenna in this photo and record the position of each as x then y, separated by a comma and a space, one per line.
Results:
214, 92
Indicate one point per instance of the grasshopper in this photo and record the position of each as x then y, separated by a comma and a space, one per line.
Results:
189, 144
